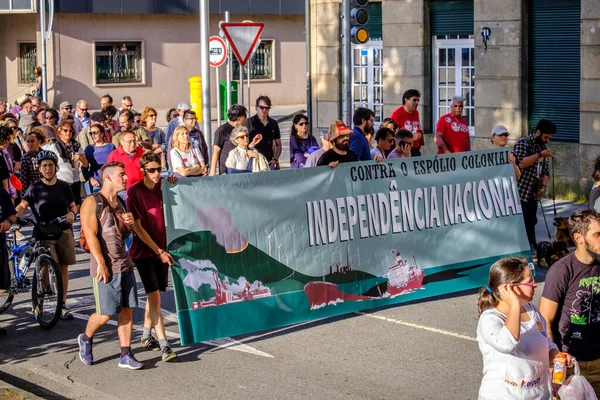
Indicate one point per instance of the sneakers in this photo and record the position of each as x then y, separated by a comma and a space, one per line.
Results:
85, 351
130, 362
168, 354
65, 314
151, 343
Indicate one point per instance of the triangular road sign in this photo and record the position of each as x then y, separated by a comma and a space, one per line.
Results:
242, 37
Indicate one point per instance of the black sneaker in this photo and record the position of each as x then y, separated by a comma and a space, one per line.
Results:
151, 343
168, 354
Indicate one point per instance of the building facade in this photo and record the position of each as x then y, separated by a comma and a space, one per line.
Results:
146, 49
541, 60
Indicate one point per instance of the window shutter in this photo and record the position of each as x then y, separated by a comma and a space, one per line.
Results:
555, 65
455, 17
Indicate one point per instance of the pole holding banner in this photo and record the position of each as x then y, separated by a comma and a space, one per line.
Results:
228, 69
205, 72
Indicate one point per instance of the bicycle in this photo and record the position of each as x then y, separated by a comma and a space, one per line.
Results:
47, 291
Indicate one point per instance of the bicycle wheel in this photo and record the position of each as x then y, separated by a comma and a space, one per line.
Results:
6, 299
47, 291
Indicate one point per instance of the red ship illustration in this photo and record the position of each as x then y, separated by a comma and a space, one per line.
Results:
225, 296
403, 277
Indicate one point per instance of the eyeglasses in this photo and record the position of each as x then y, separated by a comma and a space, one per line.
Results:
152, 170
530, 283
95, 132
84, 109
192, 118
242, 136
302, 123
267, 108
457, 106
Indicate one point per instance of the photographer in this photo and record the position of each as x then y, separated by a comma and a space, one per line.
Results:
404, 142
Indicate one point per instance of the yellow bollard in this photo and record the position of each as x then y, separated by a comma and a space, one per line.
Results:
196, 96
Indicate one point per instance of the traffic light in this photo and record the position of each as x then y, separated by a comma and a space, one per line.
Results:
359, 16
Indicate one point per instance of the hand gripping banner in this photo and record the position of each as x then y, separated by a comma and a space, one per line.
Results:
263, 250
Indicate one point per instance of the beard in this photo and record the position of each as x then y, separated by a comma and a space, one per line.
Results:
591, 251
343, 145
539, 140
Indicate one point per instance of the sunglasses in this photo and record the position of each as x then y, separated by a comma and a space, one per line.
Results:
68, 130
264, 107
242, 136
84, 109
50, 117
416, 100
391, 141
503, 134
530, 283
67, 108
95, 132
152, 170
302, 123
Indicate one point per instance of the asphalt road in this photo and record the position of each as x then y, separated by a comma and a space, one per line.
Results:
422, 350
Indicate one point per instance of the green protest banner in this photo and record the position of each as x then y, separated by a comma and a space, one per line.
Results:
264, 250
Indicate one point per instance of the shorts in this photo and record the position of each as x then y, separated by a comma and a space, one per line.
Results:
154, 274
76, 189
63, 249
120, 292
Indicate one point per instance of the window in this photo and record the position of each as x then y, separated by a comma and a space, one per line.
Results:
119, 63
27, 62
262, 63
454, 75
367, 77
16, 5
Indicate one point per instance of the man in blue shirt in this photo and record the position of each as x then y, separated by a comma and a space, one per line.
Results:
363, 122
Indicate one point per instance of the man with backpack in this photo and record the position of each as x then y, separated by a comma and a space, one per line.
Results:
106, 225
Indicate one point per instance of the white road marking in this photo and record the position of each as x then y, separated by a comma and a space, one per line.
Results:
89, 303
426, 328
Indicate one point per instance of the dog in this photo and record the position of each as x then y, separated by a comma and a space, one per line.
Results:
552, 252
562, 231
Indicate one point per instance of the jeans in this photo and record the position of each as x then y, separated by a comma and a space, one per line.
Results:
530, 218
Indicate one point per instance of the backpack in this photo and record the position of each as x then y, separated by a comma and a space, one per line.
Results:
99, 207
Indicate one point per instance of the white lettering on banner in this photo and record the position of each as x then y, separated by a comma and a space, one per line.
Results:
380, 214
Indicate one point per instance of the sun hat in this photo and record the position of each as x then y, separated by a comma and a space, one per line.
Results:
336, 129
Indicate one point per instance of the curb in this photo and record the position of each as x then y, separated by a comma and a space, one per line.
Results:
281, 118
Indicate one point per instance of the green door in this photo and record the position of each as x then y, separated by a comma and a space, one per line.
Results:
555, 65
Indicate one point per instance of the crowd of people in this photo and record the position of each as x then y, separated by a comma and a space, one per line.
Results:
106, 168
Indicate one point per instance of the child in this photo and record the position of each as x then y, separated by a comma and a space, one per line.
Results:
511, 333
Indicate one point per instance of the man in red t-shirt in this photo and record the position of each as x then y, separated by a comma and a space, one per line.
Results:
129, 153
407, 117
452, 130
148, 251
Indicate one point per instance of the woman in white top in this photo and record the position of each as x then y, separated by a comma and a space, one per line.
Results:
186, 159
385, 139
512, 336
243, 158
71, 158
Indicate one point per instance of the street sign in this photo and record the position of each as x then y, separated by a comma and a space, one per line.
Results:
242, 38
217, 51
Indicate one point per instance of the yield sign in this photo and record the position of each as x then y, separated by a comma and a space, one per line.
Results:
242, 38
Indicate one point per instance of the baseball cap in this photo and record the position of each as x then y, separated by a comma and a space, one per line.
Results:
98, 117
65, 104
336, 129
499, 130
184, 105
23, 99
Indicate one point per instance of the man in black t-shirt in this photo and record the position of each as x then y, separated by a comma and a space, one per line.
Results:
236, 116
571, 299
265, 126
339, 137
51, 198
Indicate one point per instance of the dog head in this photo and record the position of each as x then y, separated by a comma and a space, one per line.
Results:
561, 223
